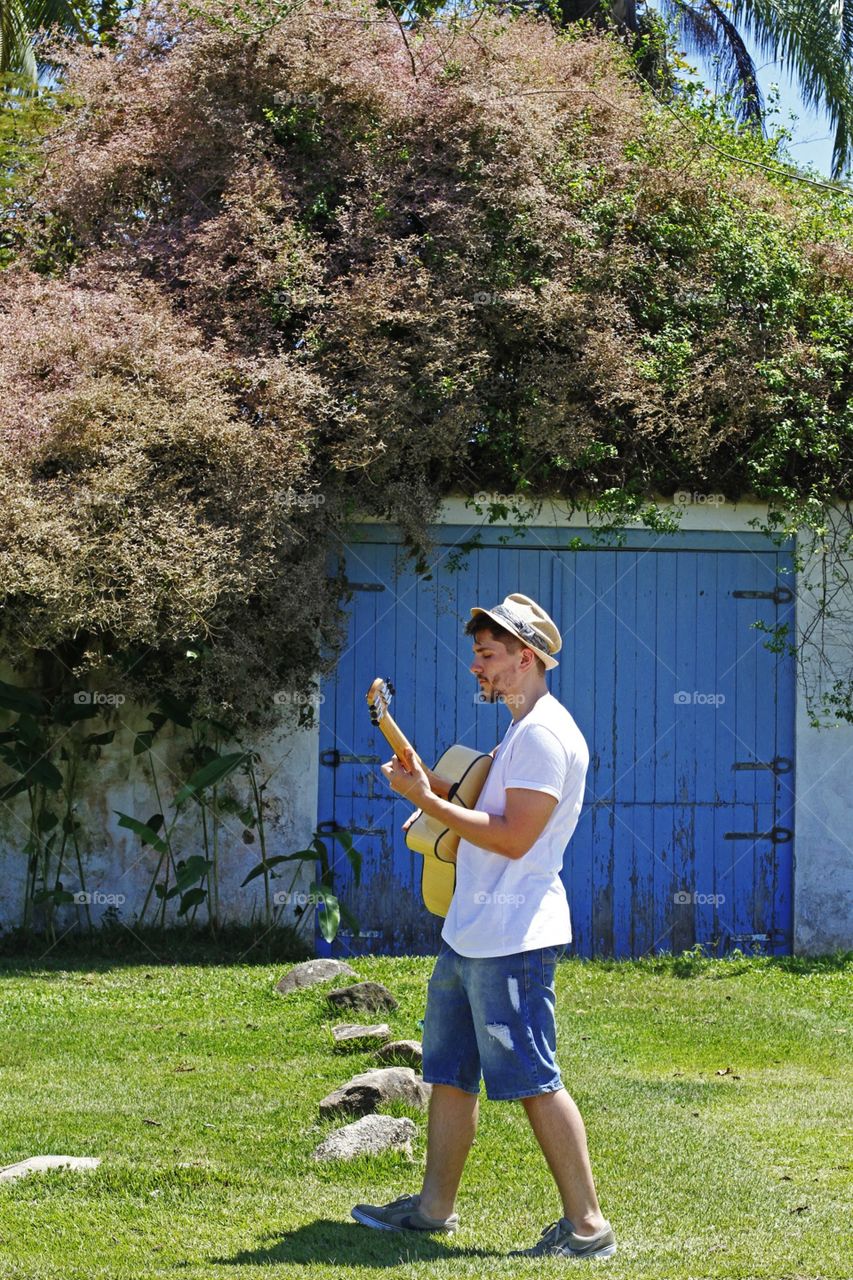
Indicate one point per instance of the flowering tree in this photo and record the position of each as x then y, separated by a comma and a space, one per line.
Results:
268, 272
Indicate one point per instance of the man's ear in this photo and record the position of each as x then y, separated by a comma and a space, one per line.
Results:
528, 658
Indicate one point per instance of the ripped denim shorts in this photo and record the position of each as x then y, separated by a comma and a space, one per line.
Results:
493, 1016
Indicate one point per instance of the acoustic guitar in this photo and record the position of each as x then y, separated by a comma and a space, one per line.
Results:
465, 769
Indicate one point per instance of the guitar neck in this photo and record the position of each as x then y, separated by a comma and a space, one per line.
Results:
394, 736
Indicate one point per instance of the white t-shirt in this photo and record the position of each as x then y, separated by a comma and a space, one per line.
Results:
504, 905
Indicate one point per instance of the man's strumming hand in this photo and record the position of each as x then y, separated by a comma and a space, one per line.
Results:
409, 779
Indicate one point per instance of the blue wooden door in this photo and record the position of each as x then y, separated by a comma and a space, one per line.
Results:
686, 834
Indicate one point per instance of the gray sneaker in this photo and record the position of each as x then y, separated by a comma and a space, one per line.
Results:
560, 1240
403, 1214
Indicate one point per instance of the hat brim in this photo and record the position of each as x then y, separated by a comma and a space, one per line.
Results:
547, 659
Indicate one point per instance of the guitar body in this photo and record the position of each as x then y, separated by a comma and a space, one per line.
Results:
436, 842
466, 769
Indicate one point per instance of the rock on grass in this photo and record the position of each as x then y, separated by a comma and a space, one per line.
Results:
311, 972
369, 1136
363, 995
369, 1090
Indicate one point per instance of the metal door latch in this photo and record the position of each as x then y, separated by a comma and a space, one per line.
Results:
779, 764
782, 595
329, 829
333, 758
779, 835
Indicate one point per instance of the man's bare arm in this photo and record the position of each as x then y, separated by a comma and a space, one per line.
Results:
441, 786
511, 833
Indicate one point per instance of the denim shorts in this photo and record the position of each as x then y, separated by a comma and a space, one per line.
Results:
493, 1016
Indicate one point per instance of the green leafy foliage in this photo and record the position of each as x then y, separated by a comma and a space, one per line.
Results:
210, 775
356, 269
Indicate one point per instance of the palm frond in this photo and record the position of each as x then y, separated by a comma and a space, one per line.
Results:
707, 31
16, 47
20, 21
815, 37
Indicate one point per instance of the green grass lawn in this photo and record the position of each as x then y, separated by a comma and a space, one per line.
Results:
198, 1086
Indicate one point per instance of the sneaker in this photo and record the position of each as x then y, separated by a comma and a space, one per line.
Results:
402, 1214
560, 1240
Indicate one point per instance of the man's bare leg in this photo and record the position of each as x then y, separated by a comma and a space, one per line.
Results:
560, 1133
452, 1125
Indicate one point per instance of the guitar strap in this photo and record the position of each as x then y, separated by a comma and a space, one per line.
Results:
454, 787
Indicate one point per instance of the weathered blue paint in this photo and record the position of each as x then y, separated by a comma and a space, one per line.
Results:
673, 845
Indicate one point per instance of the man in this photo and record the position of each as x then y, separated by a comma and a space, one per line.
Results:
490, 1005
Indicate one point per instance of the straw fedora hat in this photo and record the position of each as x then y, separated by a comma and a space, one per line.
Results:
526, 620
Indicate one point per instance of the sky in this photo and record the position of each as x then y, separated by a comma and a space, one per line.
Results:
813, 134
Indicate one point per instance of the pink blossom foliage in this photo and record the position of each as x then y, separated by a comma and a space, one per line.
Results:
327, 256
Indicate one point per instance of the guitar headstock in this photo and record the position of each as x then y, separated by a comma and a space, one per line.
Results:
379, 696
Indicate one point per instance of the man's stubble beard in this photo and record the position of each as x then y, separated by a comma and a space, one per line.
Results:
490, 694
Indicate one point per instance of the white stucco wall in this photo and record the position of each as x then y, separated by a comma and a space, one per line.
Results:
823, 873
823, 885
118, 868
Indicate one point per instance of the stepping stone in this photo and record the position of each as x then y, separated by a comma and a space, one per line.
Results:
354, 1031
369, 1090
409, 1052
310, 972
40, 1164
369, 1136
362, 995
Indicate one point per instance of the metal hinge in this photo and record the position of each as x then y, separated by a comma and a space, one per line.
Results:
341, 578
326, 828
779, 764
782, 595
334, 757
757, 942
779, 835
329, 828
